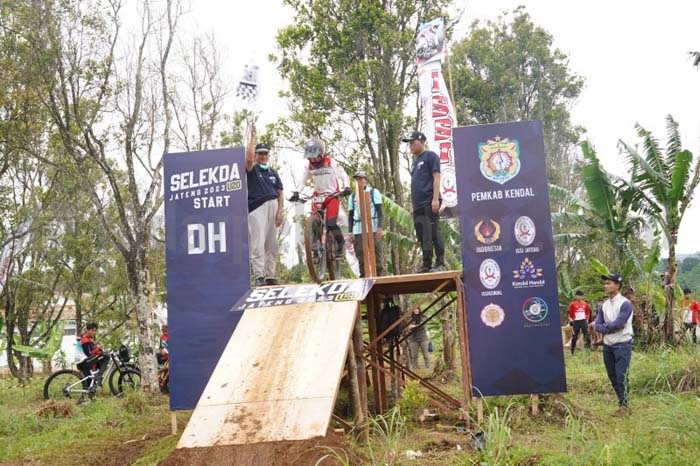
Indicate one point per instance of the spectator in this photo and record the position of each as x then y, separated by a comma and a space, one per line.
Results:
579, 317
265, 210
95, 357
425, 202
355, 224
691, 314
418, 339
614, 321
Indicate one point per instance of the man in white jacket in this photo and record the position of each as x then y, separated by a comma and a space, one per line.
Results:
614, 321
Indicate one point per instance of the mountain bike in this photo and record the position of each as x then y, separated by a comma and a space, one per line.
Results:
69, 383
320, 252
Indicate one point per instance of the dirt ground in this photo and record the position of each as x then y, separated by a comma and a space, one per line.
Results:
286, 453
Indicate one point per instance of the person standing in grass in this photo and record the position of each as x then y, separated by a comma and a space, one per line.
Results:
579, 317
614, 321
690, 311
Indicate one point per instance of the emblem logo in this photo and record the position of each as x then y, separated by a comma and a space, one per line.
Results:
524, 231
535, 309
487, 231
492, 315
527, 271
500, 159
448, 186
490, 274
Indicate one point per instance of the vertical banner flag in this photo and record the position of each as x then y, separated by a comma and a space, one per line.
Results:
509, 269
15, 245
206, 233
439, 116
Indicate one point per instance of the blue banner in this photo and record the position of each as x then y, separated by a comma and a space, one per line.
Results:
509, 268
206, 232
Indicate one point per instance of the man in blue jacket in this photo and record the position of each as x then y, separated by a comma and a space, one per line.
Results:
614, 321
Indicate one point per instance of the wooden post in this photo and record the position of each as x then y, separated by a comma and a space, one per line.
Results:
357, 405
464, 346
535, 400
357, 344
365, 208
480, 410
173, 423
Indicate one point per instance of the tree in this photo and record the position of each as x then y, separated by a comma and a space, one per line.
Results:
111, 103
509, 71
351, 71
663, 182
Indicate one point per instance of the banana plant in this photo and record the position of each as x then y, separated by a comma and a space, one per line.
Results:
662, 185
46, 352
607, 215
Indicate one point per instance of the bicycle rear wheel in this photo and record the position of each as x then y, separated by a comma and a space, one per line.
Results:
63, 384
315, 249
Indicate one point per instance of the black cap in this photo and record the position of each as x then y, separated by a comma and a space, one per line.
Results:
579, 293
686, 290
413, 136
614, 277
262, 147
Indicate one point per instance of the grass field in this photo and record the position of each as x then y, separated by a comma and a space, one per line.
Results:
574, 428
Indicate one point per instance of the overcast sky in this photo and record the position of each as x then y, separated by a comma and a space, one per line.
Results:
633, 56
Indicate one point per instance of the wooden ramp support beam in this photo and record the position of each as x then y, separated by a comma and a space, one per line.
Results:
277, 378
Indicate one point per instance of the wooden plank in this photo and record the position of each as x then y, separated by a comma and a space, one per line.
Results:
256, 422
277, 378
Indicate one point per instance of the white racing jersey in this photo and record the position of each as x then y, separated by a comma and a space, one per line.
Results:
328, 177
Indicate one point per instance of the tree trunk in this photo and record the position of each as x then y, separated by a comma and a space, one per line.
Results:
670, 289
448, 341
138, 289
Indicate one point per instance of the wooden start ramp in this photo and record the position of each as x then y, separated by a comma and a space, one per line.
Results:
278, 377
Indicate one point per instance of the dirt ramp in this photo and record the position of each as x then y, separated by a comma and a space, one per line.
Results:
285, 453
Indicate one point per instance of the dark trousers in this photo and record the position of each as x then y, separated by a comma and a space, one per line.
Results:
378, 254
94, 363
691, 327
426, 225
617, 362
578, 326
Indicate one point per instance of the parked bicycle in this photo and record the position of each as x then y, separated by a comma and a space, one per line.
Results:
122, 375
320, 251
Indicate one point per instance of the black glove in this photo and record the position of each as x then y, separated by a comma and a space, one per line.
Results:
295, 196
346, 192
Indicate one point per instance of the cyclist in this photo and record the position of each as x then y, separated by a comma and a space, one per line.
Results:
328, 177
95, 357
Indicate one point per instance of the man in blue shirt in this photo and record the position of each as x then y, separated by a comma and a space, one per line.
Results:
614, 321
425, 202
355, 224
265, 210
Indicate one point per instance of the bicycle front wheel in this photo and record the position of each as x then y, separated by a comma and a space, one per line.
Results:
129, 380
315, 249
113, 377
63, 384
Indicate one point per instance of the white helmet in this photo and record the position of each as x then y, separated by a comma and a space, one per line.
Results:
313, 148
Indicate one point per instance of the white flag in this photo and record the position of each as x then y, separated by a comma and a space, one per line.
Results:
439, 117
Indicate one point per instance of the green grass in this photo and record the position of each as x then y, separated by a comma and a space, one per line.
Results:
574, 428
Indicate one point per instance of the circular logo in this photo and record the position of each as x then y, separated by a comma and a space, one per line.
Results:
524, 231
490, 274
492, 315
448, 186
535, 309
487, 231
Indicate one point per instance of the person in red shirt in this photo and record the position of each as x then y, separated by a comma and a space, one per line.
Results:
95, 357
691, 314
579, 317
